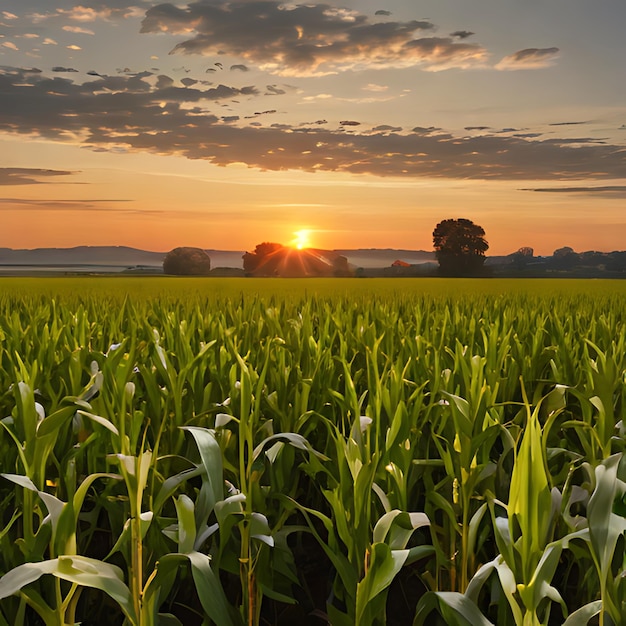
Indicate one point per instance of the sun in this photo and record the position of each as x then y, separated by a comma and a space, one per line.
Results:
301, 239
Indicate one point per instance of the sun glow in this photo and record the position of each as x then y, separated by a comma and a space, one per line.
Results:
301, 239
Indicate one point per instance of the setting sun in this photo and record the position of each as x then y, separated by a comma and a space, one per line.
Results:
301, 239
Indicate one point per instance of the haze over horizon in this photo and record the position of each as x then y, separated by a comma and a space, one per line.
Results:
220, 124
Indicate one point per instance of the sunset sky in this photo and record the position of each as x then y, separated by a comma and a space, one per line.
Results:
221, 124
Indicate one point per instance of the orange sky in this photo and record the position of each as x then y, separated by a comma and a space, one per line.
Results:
121, 123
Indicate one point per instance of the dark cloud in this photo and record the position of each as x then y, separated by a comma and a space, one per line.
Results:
28, 175
529, 58
383, 12
386, 128
421, 130
462, 34
59, 68
273, 90
350, 123
189, 82
608, 190
315, 123
164, 81
239, 67
305, 39
567, 123
126, 113
477, 128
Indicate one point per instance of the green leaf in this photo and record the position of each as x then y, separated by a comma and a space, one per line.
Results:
209, 589
170, 485
80, 570
581, 616
605, 527
54, 421
384, 565
99, 420
186, 524
296, 440
396, 527
12, 582
530, 498
260, 529
455, 608
211, 457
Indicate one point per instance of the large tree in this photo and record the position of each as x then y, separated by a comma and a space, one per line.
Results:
187, 261
460, 246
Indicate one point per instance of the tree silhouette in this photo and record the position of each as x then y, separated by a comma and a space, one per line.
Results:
460, 247
521, 258
253, 260
187, 261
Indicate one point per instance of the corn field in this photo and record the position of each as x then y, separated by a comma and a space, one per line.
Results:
344, 452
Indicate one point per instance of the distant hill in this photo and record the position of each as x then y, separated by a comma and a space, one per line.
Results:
384, 257
100, 258
81, 255
119, 258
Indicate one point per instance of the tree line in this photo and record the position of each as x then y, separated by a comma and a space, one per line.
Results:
459, 244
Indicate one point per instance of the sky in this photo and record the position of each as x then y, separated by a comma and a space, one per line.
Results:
225, 123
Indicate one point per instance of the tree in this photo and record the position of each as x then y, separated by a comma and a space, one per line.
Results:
253, 260
460, 246
525, 252
565, 258
520, 259
185, 261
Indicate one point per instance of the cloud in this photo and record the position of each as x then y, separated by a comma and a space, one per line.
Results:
73, 47
421, 130
9, 16
306, 39
567, 123
10, 45
240, 67
61, 69
386, 128
28, 175
529, 59
99, 205
275, 90
132, 114
78, 30
375, 88
383, 12
614, 191
88, 11
462, 34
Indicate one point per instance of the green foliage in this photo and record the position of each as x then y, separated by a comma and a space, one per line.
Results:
212, 451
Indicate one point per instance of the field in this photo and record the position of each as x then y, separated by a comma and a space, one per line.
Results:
342, 451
